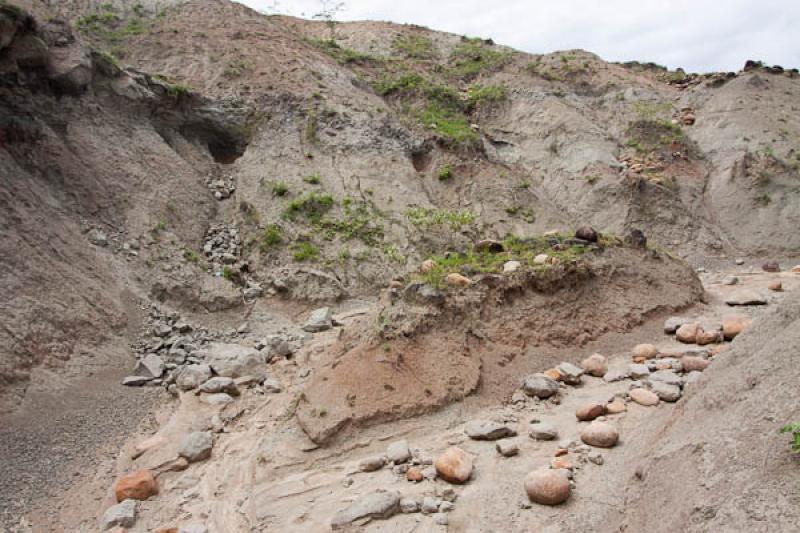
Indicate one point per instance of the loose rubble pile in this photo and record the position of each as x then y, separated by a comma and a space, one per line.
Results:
222, 188
222, 246
180, 356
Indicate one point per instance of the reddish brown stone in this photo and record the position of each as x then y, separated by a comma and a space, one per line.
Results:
414, 474
138, 485
590, 411
454, 465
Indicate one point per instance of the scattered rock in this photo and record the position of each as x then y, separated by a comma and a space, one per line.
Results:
454, 465
196, 446
426, 266
540, 386
586, 233
272, 386
687, 333
192, 376
457, 280
134, 381
691, 363
409, 505
123, 514
235, 360
541, 259
320, 320
616, 374
138, 485
636, 239
193, 528
730, 280
672, 324
441, 519
644, 397
600, 434
771, 266
595, 365
430, 505
220, 384
665, 391
398, 452
616, 407
507, 448
547, 487
775, 286
543, 431
665, 376
570, 374
645, 351
745, 297
596, 458
553, 374
97, 237
150, 366
488, 430
511, 266
376, 505
731, 327
560, 463
371, 464
590, 411
795, 269
414, 474
637, 371
708, 335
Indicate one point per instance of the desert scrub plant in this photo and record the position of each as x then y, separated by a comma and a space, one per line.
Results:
191, 256
473, 56
525, 213
227, 273
271, 236
591, 179
794, 429
310, 128
304, 251
312, 179
356, 222
426, 217
451, 125
342, 55
483, 95
445, 172
404, 83
311, 205
280, 188
414, 46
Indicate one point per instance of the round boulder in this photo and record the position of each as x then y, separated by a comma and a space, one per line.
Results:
731, 327
540, 386
547, 487
454, 465
645, 351
595, 365
586, 233
600, 434
644, 397
590, 411
687, 333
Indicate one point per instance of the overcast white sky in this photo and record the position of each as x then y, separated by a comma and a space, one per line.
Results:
698, 35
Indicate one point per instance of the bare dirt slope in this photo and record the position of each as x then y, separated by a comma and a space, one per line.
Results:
197, 166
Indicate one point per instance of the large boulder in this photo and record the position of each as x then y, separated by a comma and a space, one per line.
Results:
746, 297
192, 376
219, 384
235, 360
150, 366
547, 487
196, 446
600, 434
138, 485
540, 386
375, 505
586, 233
732, 326
123, 514
320, 320
488, 430
454, 465
687, 332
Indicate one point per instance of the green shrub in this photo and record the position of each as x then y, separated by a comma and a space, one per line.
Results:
191, 256
342, 55
794, 429
304, 251
405, 83
445, 172
279, 188
474, 56
450, 125
312, 205
427, 217
479, 95
312, 179
414, 46
271, 236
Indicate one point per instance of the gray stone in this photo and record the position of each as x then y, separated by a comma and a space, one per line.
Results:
371, 464
446, 507
150, 366
375, 505
134, 381
97, 237
746, 297
693, 376
123, 514
666, 392
409, 505
596, 458
430, 505
398, 452
616, 374
196, 446
320, 320
441, 519
570, 374
488, 430
638, 371
218, 399
220, 384
192, 376
730, 280
543, 431
672, 324
272, 386
235, 360
507, 448
665, 376
540, 386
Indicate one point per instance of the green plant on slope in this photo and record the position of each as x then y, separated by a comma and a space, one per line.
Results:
794, 429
